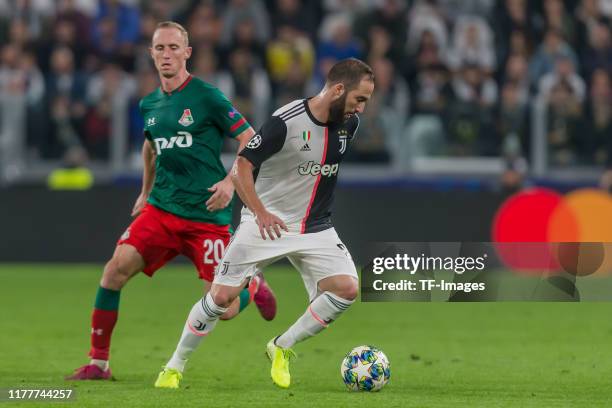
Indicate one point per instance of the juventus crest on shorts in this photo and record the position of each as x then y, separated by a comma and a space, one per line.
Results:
297, 160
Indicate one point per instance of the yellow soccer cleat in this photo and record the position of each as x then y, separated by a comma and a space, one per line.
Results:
168, 378
280, 363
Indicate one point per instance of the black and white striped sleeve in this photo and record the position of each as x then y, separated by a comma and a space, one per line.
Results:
268, 141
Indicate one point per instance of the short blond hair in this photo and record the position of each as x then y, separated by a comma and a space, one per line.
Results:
173, 24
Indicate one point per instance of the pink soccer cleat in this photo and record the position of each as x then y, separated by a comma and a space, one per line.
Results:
264, 299
90, 372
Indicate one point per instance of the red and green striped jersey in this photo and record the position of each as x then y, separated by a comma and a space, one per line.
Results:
186, 128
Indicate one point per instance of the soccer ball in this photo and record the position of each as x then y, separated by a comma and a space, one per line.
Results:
365, 368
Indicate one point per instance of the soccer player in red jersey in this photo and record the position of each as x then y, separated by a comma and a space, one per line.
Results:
184, 207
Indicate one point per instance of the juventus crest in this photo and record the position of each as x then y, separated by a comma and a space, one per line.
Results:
343, 136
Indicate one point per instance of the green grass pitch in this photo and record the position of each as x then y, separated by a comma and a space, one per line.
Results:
442, 355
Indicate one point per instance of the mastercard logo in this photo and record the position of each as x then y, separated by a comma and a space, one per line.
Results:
541, 230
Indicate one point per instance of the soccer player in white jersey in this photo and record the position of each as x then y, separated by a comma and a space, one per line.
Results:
286, 177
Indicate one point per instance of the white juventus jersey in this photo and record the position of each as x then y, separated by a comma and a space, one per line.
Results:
297, 160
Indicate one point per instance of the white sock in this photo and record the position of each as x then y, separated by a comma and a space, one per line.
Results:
201, 321
326, 308
103, 364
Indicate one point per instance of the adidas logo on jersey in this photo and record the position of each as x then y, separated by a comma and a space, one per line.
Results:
306, 137
314, 169
182, 139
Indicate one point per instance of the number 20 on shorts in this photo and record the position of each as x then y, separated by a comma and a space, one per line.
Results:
213, 251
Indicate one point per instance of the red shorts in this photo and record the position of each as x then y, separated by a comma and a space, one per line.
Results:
160, 236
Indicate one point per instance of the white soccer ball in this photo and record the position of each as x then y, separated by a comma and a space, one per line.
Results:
365, 368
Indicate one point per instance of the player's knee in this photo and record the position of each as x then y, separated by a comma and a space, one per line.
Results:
349, 290
116, 274
111, 278
221, 298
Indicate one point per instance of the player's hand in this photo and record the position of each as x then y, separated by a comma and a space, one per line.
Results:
141, 201
269, 223
223, 192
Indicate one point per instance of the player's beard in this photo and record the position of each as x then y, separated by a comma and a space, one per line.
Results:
336, 110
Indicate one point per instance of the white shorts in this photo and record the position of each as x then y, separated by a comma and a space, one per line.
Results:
316, 256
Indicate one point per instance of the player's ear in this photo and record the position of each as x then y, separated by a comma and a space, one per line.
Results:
337, 91
188, 51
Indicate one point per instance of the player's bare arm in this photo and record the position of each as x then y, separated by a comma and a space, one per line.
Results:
242, 176
224, 189
148, 177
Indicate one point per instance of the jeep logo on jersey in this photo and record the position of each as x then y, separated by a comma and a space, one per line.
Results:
182, 139
314, 169
187, 118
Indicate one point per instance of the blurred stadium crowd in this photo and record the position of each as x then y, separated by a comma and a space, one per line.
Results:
454, 77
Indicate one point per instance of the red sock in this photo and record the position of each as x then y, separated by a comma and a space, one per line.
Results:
102, 324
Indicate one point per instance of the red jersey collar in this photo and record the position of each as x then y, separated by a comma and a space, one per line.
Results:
181, 87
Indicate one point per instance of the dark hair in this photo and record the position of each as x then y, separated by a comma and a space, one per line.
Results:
349, 72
